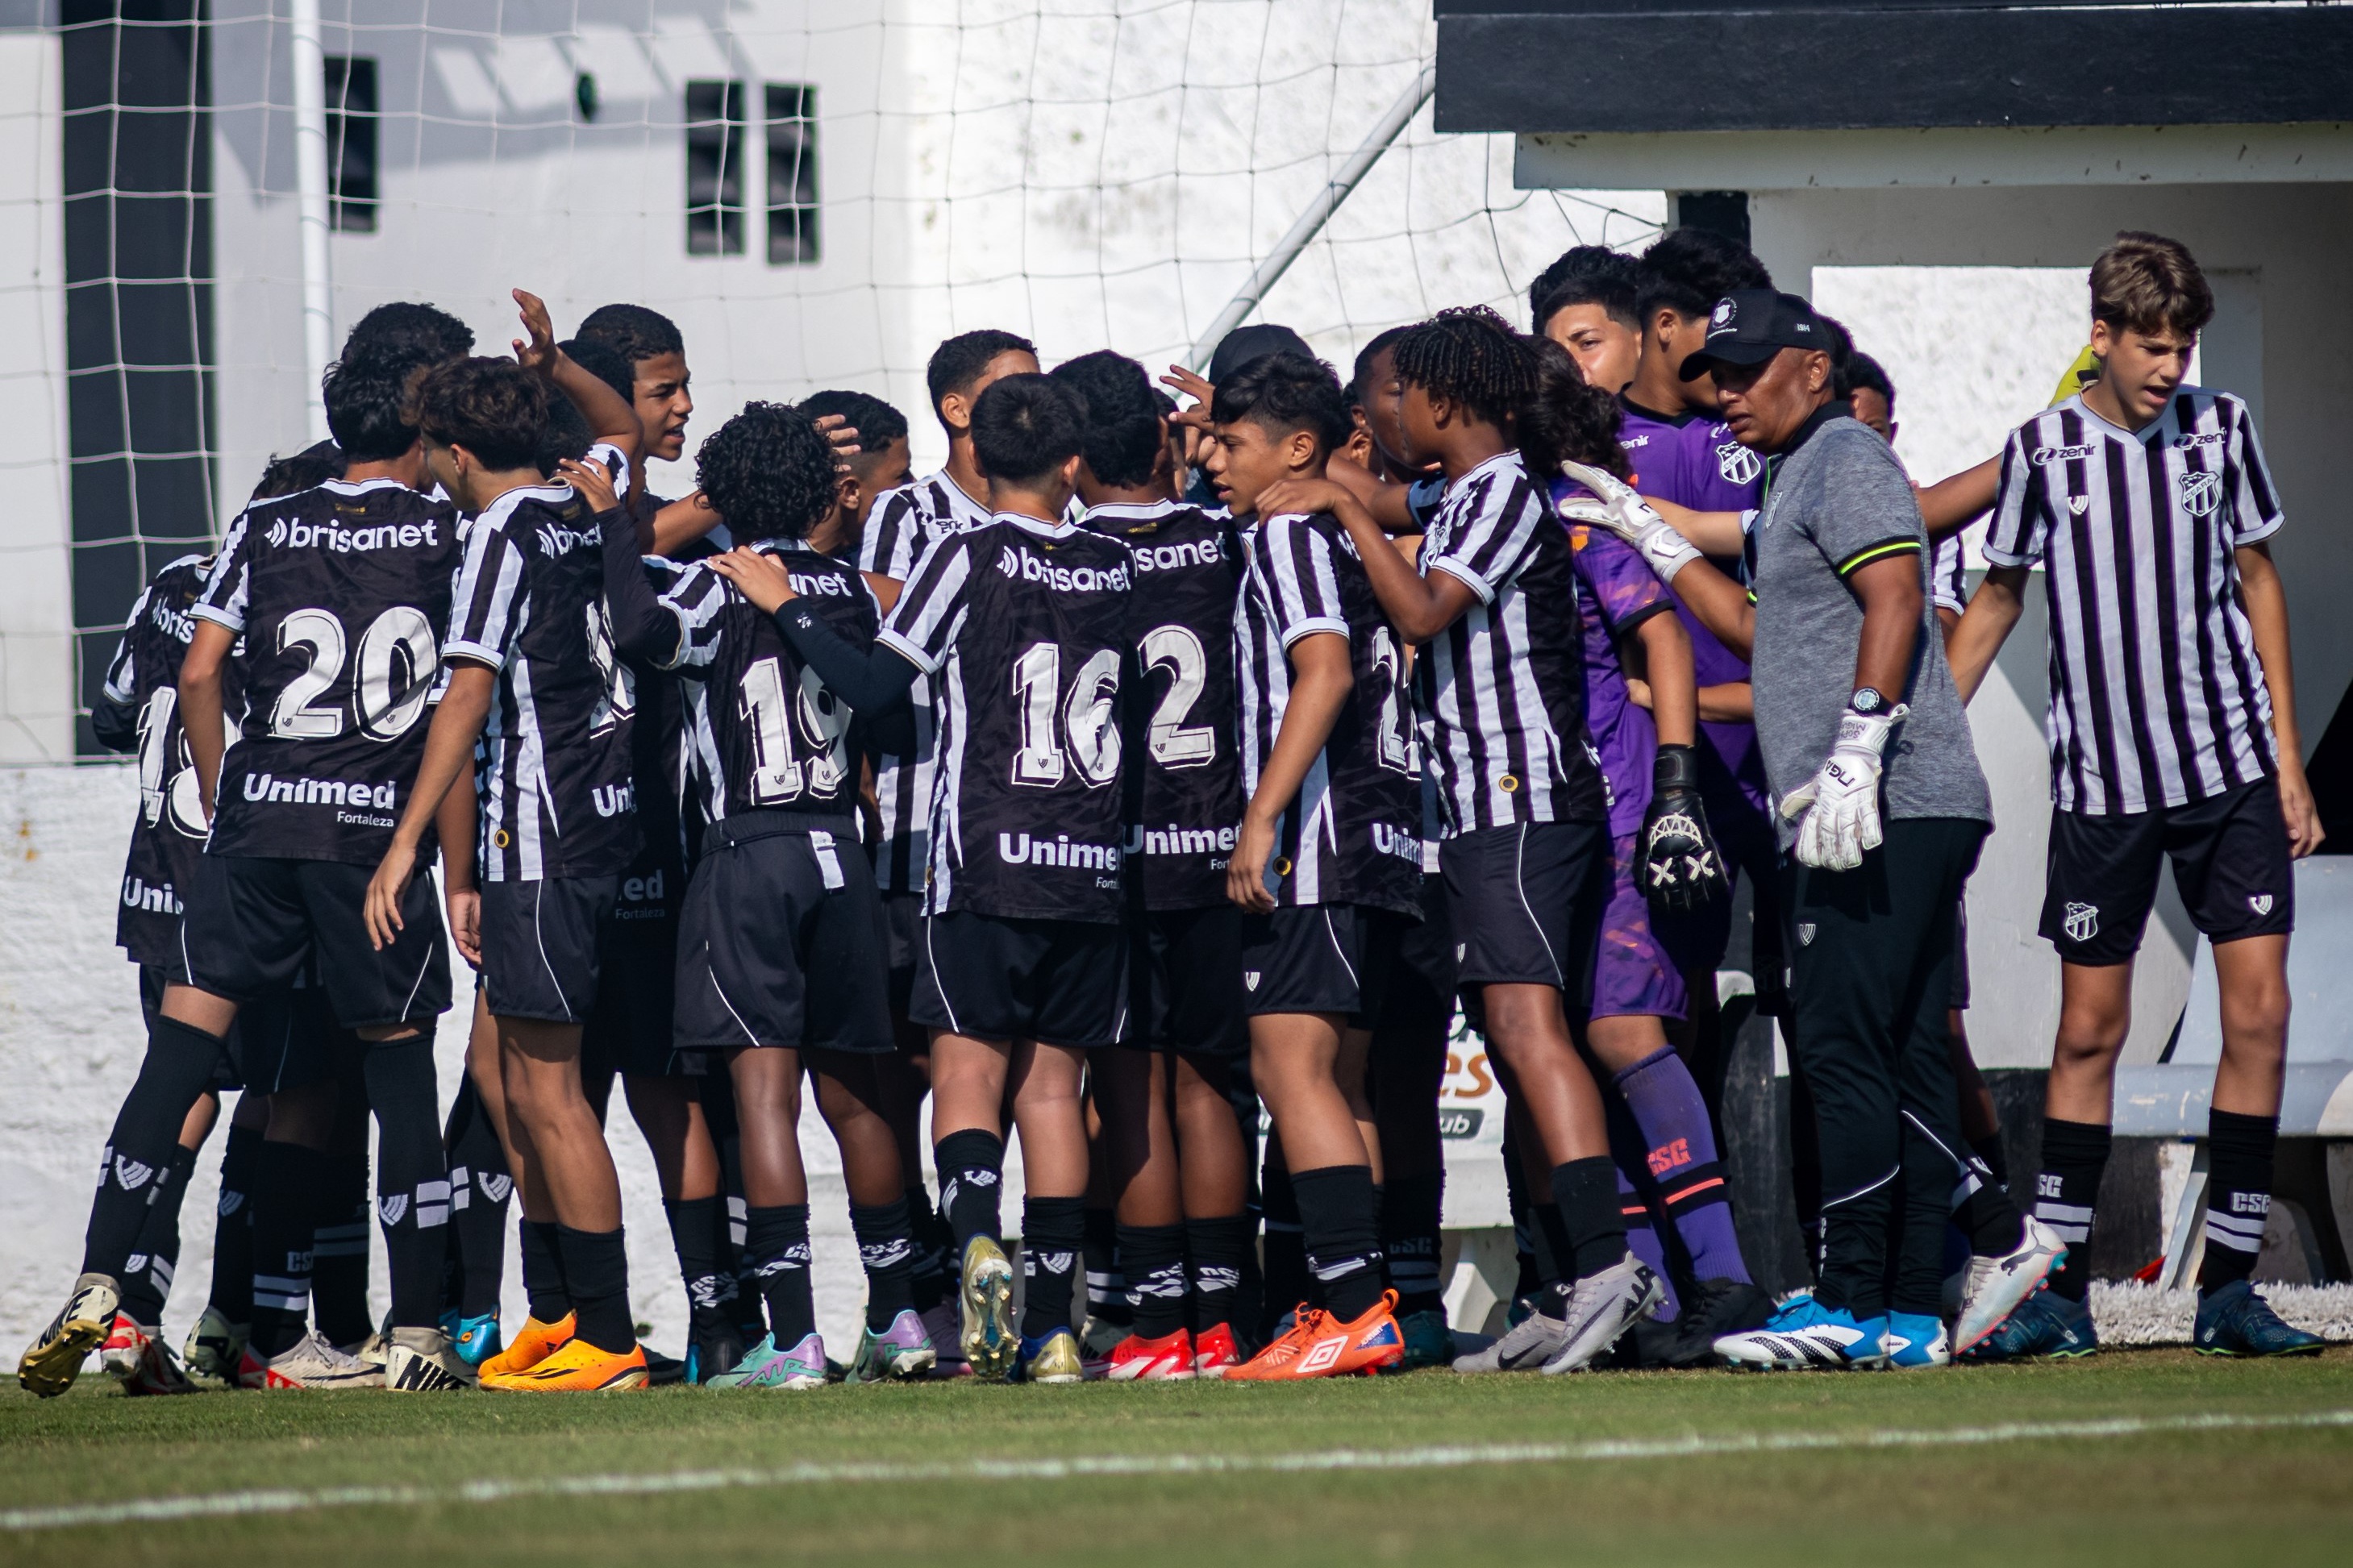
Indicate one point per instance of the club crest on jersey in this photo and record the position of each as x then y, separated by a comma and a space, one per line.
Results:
1738, 464
2082, 922
1806, 933
2260, 902
2200, 492
2079, 505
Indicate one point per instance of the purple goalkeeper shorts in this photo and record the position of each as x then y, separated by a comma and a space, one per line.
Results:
1636, 970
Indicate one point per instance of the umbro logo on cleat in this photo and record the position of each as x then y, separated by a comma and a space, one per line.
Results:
1326, 1352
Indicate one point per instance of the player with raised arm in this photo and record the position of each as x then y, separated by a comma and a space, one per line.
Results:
2173, 736
536, 681
344, 589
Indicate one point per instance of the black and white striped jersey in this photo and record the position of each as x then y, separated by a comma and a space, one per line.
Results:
1024, 625
557, 798
1178, 703
2156, 691
657, 745
168, 834
1500, 692
1350, 835
765, 732
900, 526
1948, 575
342, 594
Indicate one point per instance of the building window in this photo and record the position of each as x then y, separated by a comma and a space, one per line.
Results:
350, 143
792, 174
714, 168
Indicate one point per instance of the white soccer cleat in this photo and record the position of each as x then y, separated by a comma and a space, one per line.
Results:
1602, 1308
1998, 1284
310, 1362
423, 1361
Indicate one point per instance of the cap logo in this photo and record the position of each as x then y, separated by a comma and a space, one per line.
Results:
1723, 312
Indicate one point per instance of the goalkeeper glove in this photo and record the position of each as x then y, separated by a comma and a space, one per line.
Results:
1619, 509
1681, 868
1837, 810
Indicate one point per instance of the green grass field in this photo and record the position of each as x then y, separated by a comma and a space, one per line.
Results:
2163, 1457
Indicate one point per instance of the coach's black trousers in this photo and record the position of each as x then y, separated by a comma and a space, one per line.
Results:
1871, 979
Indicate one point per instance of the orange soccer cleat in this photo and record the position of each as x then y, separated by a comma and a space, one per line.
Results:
576, 1367
1320, 1345
1215, 1353
1167, 1359
532, 1343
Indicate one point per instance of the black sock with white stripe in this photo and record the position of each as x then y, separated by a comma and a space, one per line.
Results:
1054, 1234
1218, 1248
779, 1246
176, 1070
1411, 1209
709, 1276
339, 1275
147, 1273
232, 1291
2238, 1194
1106, 1281
2074, 1157
480, 1190
412, 1176
971, 1166
886, 1249
288, 1183
1152, 1261
1339, 1224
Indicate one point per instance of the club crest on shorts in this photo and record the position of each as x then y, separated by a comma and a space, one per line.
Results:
2200, 492
1251, 978
1805, 933
1738, 464
2082, 922
2260, 902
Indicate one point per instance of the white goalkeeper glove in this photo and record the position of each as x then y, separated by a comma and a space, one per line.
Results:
1617, 507
1837, 810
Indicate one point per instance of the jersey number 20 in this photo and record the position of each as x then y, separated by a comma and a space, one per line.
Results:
401, 634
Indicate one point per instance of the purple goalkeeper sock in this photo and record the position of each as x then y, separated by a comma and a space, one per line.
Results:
1679, 1145
1642, 1240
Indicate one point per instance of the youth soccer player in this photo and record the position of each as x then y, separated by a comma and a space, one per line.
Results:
344, 589
1588, 303
1499, 691
2151, 504
1328, 866
880, 466
780, 898
1173, 1142
659, 391
535, 679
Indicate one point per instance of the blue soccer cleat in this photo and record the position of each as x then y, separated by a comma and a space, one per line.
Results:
1916, 1341
2236, 1321
1806, 1336
2048, 1324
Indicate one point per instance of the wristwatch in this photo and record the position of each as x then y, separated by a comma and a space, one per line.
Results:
1866, 699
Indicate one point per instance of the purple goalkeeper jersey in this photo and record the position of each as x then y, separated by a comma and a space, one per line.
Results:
1616, 592
1693, 461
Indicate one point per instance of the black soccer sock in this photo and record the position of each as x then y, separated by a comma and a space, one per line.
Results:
1053, 1231
1217, 1247
779, 1245
147, 1272
1555, 1256
932, 1239
339, 1280
1586, 1192
1288, 1283
290, 1184
480, 1190
886, 1251
543, 1271
1342, 1232
709, 1277
1152, 1258
2074, 1157
1411, 1207
1106, 1281
2238, 1194
137, 1162
412, 1176
971, 1164
1528, 1279
596, 1272
232, 1291
751, 1311
1988, 1153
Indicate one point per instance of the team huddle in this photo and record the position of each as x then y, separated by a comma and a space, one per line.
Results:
1150, 776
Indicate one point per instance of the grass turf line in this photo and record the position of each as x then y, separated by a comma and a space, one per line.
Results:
2113, 1460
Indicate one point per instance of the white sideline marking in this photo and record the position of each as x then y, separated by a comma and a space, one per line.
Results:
1439, 1457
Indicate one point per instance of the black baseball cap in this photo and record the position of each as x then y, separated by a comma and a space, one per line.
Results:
1750, 326
1257, 341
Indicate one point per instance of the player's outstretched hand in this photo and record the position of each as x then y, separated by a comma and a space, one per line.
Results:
382, 908
1303, 498
759, 576
1246, 872
594, 485
536, 351
1190, 384
466, 923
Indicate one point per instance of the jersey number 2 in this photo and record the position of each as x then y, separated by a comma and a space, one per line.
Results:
1087, 733
1174, 744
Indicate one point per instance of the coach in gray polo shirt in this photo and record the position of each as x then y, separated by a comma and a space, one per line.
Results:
1882, 808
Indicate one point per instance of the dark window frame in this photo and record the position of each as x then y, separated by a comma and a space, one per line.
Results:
794, 211
353, 112
714, 167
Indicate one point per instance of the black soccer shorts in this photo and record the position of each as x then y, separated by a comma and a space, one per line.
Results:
2231, 864
903, 922
629, 1028
1185, 982
781, 942
542, 949
1321, 958
1526, 901
255, 926
1060, 983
